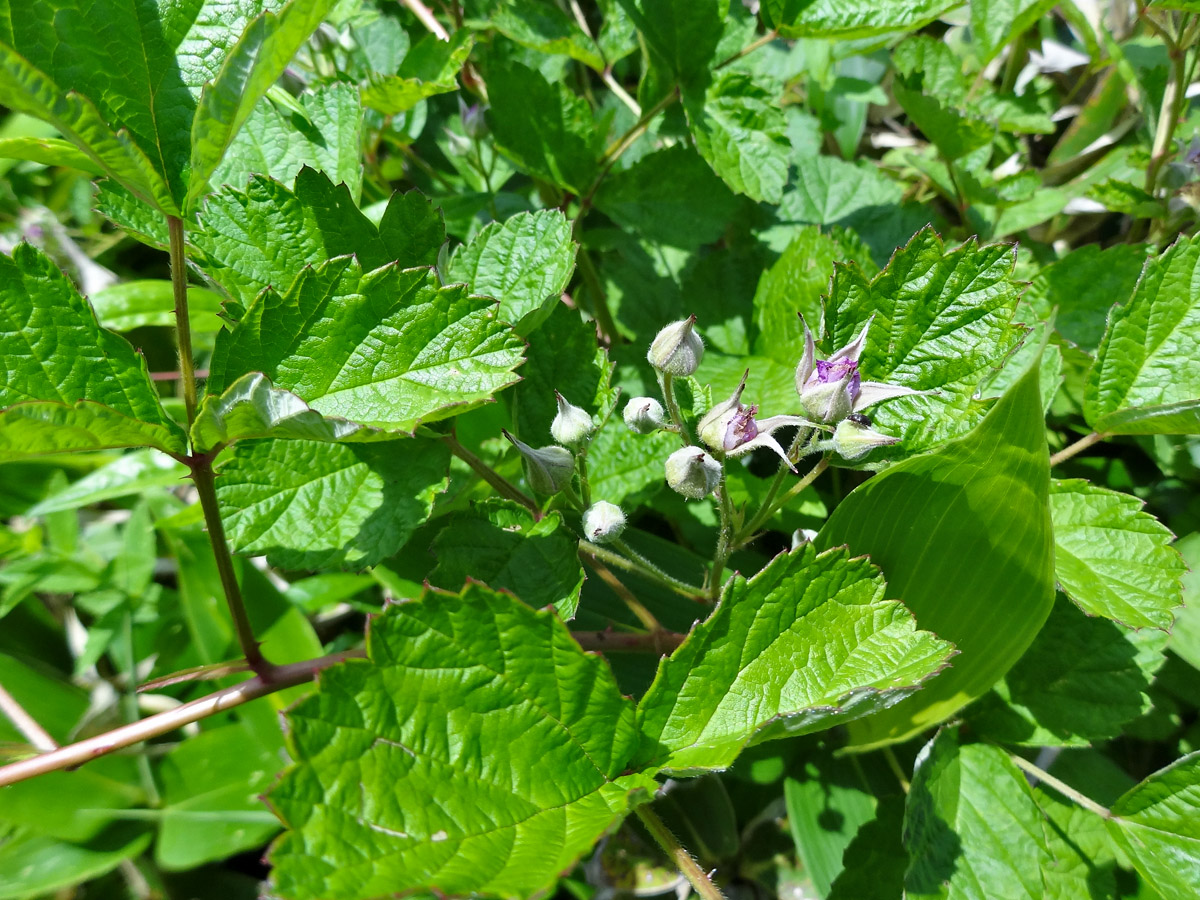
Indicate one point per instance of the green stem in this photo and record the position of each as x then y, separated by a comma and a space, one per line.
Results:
724, 538
894, 765
183, 324
1078, 447
639, 565
206, 487
770, 506
503, 486
679, 856
748, 49
600, 311
1061, 786
581, 467
1174, 96
666, 384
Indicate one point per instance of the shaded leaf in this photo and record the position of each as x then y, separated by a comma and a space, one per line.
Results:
964, 536
1113, 559
849, 19
500, 544
810, 636
683, 35
311, 505
430, 67
332, 340
425, 765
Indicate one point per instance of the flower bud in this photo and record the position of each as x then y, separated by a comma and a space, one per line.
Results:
473, 121
603, 522
853, 440
549, 469
693, 473
572, 425
644, 415
677, 350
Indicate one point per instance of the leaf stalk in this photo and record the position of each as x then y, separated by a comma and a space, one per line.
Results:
678, 854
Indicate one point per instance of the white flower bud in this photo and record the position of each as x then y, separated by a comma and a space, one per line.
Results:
549, 469
693, 473
677, 349
644, 415
603, 522
572, 425
853, 440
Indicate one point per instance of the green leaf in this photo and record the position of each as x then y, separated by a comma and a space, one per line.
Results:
426, 765
1080, 846
249, 68
1082, 286
69, 384
996, 22
850, 19
40, 866
972, 828
137, 218
1185, 634
524, 262
929, 84
827, 802
48, 152
1117, 195
137, 304
809, 638
265, 236
1144, 380
1079, 682
875, 861
546, 130
794, 284
387, 348
430, 67
742, 133
963, 534
501, 544
544, 26
211, 806
682, 35
312, 505
669, 196
1113, 559
252, 408
325, 134
132, 473
1157, 824
828, 190
942, 322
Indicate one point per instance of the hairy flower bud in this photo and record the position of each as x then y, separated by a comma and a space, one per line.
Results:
693, 473
549, 469
603, 522
853, 440
677, 349
644, 415
473, 121
572, 425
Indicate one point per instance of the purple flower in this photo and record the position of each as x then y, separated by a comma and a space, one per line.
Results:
730, 427
831, 389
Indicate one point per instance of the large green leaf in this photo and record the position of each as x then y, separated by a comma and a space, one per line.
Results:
943, 321
876, 858
1079, 682
828, 190
477, 750
972, 828
848, 19
805, 644
996, 22
430, 67
1145, 380
501, 544
1157, 824
669, 196
265, 236
544, 26
312, 505
682, 34
930, 86
325, 133
1113, 559
524, 262
37, 866
742, 133
253, 408
544, 128
68, 384
794, 284
387, 348
963, 535
250, 67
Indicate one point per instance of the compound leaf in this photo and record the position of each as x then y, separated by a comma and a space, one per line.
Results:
311, 505
387, 348
805, 644
424, 767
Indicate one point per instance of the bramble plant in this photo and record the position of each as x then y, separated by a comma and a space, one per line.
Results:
537, 447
